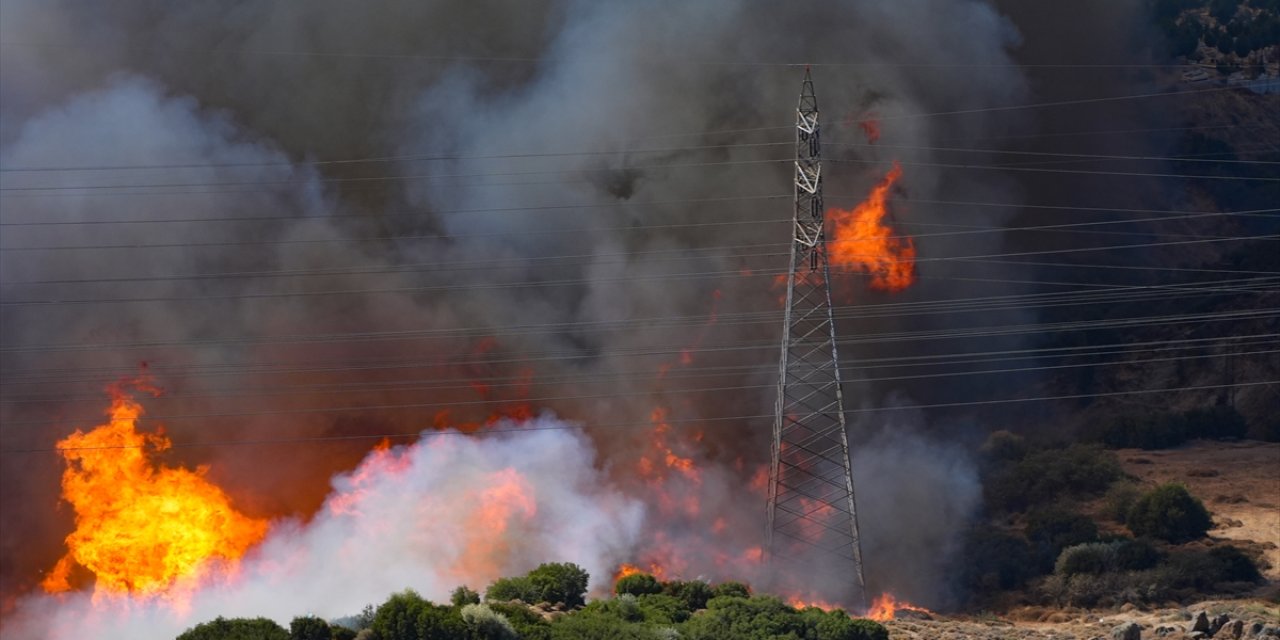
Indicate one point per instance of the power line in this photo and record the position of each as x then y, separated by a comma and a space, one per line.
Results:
1089, 172
1051, 154
1095, 295
456, 265
401, 435
673, 376
112, 373
402, 268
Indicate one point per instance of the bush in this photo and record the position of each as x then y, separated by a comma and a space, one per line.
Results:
1142, 432
1233, 565
1002, 447
731, 589
694, 593
560, 582
1052, 529
1091, 558
1105, 557
765, 617
1119, 500
407, 616
309, 628
236, 629
993, 560
1164, 430
529, 625
1048, 475
637, 584
1169, 513
661, 608
597, 624
519, 588
487, 624
463, 596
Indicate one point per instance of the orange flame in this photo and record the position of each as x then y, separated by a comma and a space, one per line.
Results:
885, 607
628, 569
142, 528
862, 242
799, 603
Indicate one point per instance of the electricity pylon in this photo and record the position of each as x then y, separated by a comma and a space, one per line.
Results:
812, 516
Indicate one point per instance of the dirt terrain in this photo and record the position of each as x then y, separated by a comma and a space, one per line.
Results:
1239, 482
1258, 619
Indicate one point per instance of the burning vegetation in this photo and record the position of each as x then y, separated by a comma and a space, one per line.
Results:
142, 528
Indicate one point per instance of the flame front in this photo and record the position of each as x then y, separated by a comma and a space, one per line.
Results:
861, 240
140, 527
885, 607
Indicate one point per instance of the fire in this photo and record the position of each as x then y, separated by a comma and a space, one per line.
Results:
142, 528
886, 606
862, 241
506, 499
628, 569
799, 603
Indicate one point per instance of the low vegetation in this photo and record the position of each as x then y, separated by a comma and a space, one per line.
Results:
1039, 536
549, 603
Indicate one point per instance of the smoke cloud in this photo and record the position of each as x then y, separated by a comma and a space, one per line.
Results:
430, 516
385, 217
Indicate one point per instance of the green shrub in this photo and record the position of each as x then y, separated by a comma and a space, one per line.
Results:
407, 616
518, 588
1119, 500
1233, 565
766, 617
597, 624
731, 589
236, 629
486, 624
1159, 431
661, 608
463, 596
637, 584
1049, 475
1091, 558
993, 560
1003, 447
529, 625
1168, 429
560, 582
1169, 513
1104, 557
1052, 529
309, 628
1136, 555
343, 633
694, 593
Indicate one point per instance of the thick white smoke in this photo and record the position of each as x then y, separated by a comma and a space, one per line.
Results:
451, 509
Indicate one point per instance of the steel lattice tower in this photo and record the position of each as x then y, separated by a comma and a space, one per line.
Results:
812, 516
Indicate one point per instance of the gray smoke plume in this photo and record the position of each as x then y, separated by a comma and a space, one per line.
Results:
548, 202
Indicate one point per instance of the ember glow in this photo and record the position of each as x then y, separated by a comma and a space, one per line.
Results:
142, 527
862, 242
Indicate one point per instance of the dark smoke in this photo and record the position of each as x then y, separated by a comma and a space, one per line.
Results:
457, 235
